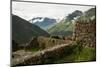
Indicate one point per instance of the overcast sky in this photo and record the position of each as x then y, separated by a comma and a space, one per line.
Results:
28, 10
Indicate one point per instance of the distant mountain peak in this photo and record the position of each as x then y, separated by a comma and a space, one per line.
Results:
74, 15
43, 22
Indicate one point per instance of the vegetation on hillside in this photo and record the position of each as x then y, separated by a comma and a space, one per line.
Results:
65, 29
66, 26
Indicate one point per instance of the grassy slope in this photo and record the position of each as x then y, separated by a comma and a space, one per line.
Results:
62, 29
86, 54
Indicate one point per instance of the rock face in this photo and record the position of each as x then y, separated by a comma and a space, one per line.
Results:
86, 31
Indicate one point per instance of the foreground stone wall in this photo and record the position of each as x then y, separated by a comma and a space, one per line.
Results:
46, 56
86, 32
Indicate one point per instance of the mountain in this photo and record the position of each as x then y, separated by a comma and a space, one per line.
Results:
23, 31
73, 15
66, 26
89, 15
91, 12
62, 28
43, 22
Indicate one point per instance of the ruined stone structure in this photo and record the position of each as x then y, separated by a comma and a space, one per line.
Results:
43, 56
45, 42
56, 47
85, 31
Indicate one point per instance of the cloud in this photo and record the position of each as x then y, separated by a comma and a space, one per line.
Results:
28, 10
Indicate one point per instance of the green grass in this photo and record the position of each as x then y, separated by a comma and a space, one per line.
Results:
32, 49
85, 54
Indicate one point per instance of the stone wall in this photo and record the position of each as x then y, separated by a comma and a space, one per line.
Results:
45, 56
86, 32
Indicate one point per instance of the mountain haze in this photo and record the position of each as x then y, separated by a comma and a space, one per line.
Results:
44, 22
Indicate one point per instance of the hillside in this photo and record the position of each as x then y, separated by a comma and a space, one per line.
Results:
65, 26
88, 15
91, 12
73, 15
64, 29
22, 30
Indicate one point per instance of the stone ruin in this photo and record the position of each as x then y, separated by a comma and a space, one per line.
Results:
85, 31
45, 42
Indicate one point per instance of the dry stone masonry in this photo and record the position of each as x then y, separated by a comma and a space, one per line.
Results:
85, 31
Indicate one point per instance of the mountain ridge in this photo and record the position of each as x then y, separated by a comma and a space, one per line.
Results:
43, 22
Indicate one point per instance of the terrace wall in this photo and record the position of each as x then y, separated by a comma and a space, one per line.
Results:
86, 32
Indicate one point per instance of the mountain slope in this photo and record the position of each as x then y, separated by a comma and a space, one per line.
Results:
91, 12
61, 28
73, 15
65, 26
44, 22
89, 15
22, 30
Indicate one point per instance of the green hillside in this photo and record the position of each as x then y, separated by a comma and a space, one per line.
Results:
23, 31
66, 26
91, 12
61, 28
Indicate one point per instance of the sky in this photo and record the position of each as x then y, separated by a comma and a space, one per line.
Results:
28, 10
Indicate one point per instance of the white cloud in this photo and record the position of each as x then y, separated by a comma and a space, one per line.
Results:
28, 10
